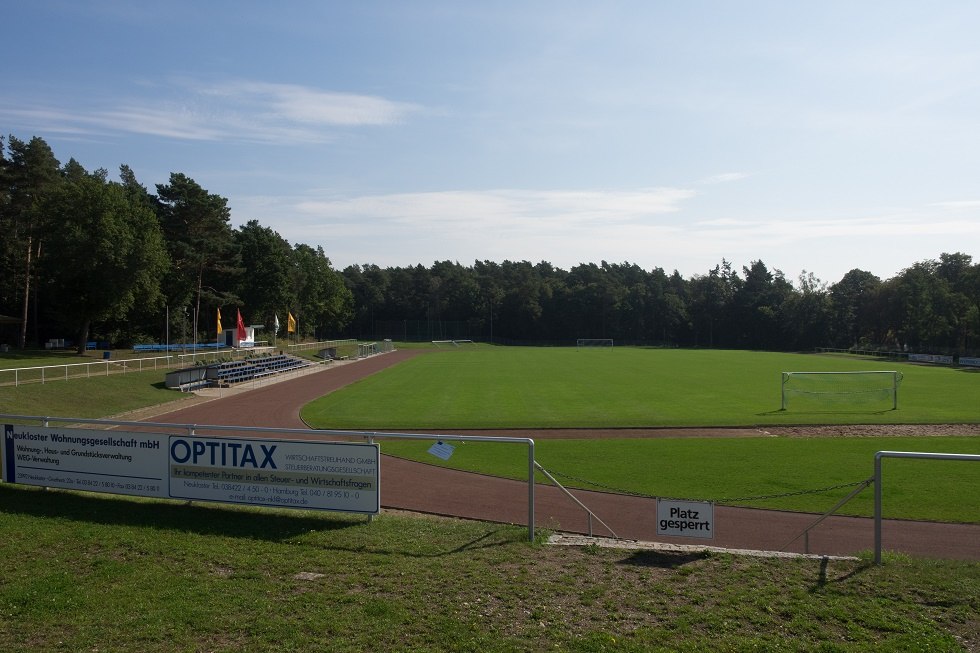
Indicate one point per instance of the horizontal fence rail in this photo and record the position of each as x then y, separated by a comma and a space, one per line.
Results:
904, 454
321, 344
47, 373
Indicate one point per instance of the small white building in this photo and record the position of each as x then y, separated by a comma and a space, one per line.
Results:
231, 337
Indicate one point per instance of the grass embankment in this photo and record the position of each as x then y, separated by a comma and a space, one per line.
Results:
94, 397
88, 392
519, 387
92, 390
83, 572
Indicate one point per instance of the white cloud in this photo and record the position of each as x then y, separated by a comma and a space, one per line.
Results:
959, 205
306, 105
239, 111
650, 227
764, 234
407, 228
525, 210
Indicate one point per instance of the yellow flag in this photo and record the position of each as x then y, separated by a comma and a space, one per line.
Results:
290, 323
219, 321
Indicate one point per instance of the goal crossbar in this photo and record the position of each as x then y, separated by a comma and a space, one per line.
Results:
594, 342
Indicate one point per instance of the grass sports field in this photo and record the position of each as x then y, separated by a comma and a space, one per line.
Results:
520, 387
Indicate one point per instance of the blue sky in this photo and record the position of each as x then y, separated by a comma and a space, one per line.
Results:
812, 136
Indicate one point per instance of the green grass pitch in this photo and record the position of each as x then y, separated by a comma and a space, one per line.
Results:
492, 387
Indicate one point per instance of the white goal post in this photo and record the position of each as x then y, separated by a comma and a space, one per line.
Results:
594, 342
824, 388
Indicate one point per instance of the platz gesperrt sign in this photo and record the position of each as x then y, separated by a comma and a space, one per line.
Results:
686, 518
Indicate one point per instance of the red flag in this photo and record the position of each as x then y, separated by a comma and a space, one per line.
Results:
241, 327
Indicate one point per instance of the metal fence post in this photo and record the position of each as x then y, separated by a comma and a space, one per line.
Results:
904, 454
530, 491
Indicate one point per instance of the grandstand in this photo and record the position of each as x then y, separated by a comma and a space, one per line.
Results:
228, 373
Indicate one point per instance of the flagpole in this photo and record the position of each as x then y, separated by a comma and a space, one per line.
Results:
218, 329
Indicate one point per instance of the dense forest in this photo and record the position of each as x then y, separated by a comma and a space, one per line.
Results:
89, 258
86, 258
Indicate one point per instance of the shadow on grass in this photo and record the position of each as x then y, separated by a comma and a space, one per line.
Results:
661, 560
200, 519
489, 540
855, 411
225, 520
57, 357
823, 580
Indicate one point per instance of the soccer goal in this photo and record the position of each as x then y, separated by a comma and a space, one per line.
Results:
593, 342
876, 390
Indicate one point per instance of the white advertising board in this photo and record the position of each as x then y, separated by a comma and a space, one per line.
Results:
686, 518
930, 358
340, 476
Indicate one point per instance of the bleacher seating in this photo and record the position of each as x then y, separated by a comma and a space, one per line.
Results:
232, 372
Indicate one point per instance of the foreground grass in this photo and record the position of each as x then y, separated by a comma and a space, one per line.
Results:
723, 469
522, 387
83, 572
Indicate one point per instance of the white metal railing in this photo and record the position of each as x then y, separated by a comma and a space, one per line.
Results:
874, 353
877, 479
571, 496
46, 373
321, 344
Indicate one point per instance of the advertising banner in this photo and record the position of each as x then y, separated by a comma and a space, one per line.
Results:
931, 358
339, 476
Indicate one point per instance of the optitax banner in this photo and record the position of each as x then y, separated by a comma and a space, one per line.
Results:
340, 476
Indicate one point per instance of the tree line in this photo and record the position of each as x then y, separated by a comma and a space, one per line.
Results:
107, 260
104, 259
930, 306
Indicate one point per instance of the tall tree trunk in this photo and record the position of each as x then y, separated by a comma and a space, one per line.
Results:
27, 296
83, 337
197, 309
36, 287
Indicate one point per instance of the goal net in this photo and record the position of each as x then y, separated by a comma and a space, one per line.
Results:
593, 342
841, 390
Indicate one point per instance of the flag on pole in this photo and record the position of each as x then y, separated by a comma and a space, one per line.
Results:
241, 327
290, 323
219, 322
276, 323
